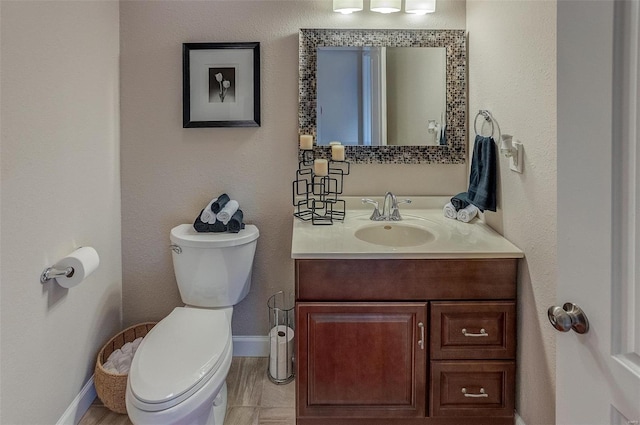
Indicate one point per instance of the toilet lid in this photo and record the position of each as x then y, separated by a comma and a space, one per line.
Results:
179, 354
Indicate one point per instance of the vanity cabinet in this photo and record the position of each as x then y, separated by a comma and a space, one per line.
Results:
362, 359
405, 341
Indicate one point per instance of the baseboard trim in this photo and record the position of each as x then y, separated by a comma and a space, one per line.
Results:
250, 346
519, 420
79, 405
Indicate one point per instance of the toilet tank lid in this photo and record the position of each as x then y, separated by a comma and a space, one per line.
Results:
186, 235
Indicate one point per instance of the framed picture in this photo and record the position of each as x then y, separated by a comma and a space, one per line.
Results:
220, 85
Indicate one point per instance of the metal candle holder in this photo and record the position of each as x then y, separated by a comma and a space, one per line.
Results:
316, 197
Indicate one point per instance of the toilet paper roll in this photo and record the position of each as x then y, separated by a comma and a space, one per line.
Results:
84, 261
281, 352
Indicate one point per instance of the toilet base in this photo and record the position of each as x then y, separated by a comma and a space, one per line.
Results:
219, 409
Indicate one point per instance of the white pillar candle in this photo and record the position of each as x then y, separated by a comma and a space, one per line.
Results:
334, 143
337, 153
321, 167
306, 142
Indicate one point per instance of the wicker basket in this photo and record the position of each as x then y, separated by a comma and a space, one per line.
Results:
112, 387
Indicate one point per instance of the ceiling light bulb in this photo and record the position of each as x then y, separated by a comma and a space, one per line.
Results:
420, 7
347, 6
386, 6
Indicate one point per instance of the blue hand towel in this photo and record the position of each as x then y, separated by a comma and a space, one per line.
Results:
219, 203
460, 201
483, 177
235, 223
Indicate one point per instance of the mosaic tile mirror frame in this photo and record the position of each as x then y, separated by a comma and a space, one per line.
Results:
454, 152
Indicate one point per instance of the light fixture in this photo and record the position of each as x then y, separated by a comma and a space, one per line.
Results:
420, 7
386, 6
347, 6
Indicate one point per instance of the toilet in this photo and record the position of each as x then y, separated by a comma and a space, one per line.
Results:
178, 373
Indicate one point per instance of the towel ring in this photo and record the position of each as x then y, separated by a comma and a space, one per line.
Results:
487, 116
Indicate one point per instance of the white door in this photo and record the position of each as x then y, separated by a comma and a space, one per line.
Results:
598, 373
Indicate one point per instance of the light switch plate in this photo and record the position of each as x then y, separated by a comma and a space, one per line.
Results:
516, 161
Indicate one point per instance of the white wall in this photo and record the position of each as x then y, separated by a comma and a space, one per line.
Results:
169, 173
60, 189
512, 63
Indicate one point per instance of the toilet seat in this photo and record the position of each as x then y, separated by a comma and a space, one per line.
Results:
178, 356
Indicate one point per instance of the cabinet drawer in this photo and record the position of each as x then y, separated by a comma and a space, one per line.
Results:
404, 280
473, 330
472, 388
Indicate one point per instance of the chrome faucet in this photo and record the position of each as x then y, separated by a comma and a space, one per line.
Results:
393, 205
388, 214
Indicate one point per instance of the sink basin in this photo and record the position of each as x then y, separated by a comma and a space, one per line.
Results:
394, 234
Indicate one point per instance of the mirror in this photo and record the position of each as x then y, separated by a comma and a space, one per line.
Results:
392, 122
381, 96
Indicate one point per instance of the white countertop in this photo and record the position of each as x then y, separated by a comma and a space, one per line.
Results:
453, 238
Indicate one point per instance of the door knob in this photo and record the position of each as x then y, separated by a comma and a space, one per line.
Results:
568, 317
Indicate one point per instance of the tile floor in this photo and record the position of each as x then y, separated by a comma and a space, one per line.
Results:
253, 399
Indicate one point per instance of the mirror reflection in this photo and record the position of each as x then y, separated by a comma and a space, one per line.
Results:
381, 96
412, 127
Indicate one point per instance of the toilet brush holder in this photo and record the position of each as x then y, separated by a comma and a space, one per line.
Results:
281, 338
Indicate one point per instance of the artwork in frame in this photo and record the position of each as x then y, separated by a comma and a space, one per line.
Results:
221, 85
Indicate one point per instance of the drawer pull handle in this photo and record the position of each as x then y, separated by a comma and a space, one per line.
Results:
482, 393
421, 342
482, 333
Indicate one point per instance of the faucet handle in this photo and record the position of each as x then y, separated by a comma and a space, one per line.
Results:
395, 214
376, 212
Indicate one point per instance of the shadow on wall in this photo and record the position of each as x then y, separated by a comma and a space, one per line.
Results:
530, 340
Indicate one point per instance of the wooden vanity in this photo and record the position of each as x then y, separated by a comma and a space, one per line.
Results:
405, 341
405, 334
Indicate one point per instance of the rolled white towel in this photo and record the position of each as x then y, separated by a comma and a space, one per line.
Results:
111, 365
136, 343
120, 360
227, 211
207, 215
124, 364
450, 211
466, 214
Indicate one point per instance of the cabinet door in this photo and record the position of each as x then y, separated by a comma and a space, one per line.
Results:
361, 359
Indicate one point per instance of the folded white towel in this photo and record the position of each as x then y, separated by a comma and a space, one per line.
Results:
227, 211
207, 215
450, 211
467, 214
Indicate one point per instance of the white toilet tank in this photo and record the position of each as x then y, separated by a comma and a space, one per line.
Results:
213, 269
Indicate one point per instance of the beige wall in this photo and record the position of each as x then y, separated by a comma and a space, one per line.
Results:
410, 75
169, 173
512, 62
60, 190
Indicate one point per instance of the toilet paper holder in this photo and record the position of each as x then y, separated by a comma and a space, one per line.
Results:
72, 269
51, 273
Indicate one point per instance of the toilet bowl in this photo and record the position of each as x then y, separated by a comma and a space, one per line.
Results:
178, 373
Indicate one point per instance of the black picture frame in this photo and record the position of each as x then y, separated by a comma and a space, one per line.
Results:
220, 85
